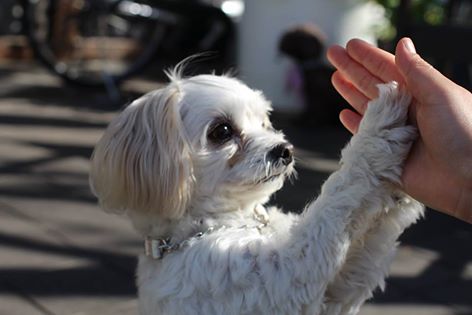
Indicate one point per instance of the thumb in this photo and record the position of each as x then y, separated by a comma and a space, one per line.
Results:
421, 79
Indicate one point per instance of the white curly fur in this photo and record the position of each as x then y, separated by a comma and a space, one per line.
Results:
157, 163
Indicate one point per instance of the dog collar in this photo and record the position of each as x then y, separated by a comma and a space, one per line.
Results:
158, 248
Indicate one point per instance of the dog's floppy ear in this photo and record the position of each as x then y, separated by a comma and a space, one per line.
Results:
143, 161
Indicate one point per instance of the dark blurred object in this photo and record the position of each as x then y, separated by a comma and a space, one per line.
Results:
10, 17
12, 44
302, 43
102, 42
447, 46
305, 45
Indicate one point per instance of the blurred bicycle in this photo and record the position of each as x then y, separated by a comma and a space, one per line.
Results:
99, 43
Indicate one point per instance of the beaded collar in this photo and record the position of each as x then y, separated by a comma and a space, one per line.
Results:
157, 248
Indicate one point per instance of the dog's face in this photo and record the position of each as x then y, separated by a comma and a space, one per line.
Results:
200, 144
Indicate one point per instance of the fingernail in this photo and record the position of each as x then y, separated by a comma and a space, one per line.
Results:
409, 46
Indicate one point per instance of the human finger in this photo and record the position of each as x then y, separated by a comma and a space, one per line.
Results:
425, 83
360, 77
350, 120
349, 92
377, 61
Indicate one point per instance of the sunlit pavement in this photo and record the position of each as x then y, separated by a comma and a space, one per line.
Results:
59, 254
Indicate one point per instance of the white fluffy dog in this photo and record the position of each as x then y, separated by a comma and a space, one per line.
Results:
193, 164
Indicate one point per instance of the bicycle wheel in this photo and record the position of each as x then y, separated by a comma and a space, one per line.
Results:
95, 42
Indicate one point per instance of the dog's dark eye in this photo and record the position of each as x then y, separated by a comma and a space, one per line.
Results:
221, 133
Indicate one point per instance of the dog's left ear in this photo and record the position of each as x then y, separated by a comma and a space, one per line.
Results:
143, 161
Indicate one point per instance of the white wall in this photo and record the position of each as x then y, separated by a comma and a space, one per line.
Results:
263, 22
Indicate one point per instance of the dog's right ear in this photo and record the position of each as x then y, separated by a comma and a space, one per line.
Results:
143, 161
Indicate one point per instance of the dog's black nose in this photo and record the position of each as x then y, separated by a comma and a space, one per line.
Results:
282, 152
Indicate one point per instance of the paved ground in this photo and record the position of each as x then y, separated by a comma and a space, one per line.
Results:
59, 254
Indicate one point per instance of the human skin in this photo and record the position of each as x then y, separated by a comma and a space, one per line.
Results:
438, 171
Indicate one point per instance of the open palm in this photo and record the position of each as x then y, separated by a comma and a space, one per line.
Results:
438, 171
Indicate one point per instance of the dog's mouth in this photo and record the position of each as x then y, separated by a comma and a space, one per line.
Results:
274, 176
270, 178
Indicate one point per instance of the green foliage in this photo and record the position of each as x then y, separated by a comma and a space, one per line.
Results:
421, 11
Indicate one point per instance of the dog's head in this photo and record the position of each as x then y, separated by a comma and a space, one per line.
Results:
203, 143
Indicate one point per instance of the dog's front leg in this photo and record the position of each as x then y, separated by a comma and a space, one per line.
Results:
369, 257
353, 196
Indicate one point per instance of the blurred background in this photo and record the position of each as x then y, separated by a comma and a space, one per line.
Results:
67, 67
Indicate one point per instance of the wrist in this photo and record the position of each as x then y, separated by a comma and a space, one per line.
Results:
463, 209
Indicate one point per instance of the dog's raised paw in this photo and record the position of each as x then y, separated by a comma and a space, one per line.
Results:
384, 138
388, 111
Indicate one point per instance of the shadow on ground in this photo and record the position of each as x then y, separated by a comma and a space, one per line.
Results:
442, 282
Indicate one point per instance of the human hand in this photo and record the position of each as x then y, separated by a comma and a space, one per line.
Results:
438, 171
